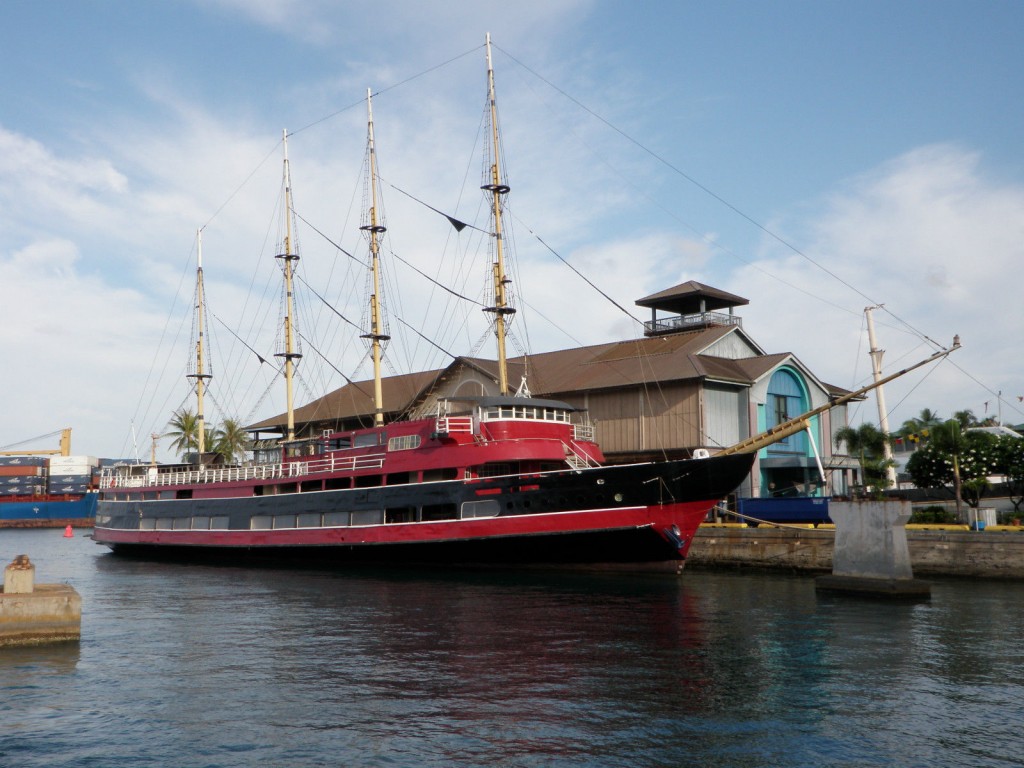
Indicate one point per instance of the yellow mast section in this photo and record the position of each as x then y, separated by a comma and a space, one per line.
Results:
497, 189
64, 450
374, 229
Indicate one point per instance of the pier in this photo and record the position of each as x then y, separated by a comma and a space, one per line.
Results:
995, 553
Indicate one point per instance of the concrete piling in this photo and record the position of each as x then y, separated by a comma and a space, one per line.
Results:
871, 554
33, 613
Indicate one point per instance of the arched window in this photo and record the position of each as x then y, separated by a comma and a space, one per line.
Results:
787, 398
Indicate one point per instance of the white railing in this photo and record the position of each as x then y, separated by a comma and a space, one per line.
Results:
238, 474
583, 432
455, 424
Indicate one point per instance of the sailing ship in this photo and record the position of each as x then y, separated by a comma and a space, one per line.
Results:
498, 479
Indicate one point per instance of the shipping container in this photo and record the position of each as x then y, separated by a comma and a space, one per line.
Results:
69, 488
24, 461
21, 471
70, 477
27, 490
59, 462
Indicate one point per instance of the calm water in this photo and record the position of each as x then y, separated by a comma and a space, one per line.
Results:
204, 666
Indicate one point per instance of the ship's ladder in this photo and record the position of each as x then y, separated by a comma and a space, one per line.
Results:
577, 459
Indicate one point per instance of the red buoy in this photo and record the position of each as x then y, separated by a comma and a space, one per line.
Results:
68, 533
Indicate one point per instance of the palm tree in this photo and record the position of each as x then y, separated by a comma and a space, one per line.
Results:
867, 442
920, 426
185, 431
231, 440
966, 418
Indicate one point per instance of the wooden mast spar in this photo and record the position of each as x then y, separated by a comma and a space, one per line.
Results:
497, 189
374, 228
288, 258
803, 421
200, 375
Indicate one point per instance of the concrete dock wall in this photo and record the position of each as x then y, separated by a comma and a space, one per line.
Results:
984, 554
50, 613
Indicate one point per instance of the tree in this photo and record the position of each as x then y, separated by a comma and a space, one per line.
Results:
185, 431
184, 426
966, 418
1010, 463
919, 427
231, 440
867, 443
958, 459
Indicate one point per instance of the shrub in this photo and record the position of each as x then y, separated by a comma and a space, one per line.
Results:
933, 514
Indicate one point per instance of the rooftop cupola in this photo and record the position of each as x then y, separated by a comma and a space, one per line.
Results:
694, 306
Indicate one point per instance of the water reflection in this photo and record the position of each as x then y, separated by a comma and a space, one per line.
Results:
232, 666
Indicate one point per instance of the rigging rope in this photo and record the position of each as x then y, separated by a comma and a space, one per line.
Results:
708, 191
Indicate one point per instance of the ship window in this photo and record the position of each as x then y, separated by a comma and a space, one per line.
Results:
167, 494
336, 483
486, 508
404, 442
339, 443
183, 493
219, 522
147, 524
259, 490
368, 439
399, 478
400, 515
311, 485
164, 523
261, 522
493, 470
439, 512
308, 520
182, 523
444, 473
284, 521
149, 495
368, 517
336, 518
200, 523
287, 488
368, 481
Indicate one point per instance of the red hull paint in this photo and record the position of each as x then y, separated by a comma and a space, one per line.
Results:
686, 517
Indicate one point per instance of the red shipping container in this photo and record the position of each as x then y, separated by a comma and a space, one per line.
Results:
21, 471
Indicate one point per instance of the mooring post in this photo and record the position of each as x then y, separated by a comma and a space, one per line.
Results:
871, 555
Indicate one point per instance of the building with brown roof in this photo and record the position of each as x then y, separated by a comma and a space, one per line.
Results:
695, 380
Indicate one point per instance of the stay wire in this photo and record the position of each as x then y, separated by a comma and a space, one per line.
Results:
392, 253
391, 87
708, 191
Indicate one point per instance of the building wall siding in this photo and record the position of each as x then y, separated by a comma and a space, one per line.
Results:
634, 419
726, 409
733, 347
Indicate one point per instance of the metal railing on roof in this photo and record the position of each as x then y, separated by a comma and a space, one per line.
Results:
683, 322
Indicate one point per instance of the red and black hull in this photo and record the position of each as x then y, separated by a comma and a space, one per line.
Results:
643, 513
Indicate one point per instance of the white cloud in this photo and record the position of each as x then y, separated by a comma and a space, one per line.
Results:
936, 241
